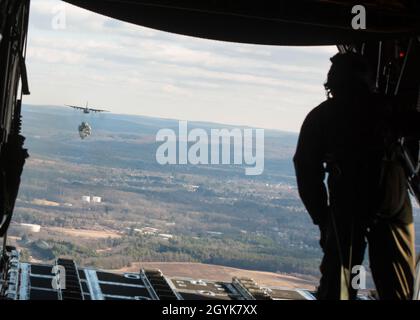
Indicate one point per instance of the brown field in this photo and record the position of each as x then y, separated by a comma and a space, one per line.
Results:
46, 203
84, 233
221, 273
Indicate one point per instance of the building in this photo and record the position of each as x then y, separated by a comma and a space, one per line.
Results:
96, 199
35, 228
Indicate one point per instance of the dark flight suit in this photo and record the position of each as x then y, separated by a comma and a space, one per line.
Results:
345, 138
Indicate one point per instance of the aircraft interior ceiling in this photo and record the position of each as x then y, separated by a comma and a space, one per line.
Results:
303, 22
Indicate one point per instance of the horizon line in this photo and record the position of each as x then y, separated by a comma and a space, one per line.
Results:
175, 119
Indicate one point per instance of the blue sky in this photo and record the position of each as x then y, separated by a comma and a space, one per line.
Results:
135, 70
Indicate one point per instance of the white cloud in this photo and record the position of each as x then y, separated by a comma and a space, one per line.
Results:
50, 55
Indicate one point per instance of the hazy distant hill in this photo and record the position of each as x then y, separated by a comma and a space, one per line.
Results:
116, 140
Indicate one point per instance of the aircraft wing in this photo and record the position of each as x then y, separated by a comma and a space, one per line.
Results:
97, 110
75, 107
281, 22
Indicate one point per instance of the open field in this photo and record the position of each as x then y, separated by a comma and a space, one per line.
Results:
222, 273
85, 233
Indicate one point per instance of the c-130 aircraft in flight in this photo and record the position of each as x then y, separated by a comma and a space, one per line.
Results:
86, 109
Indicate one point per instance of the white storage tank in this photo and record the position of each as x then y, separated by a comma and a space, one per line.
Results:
97, 199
